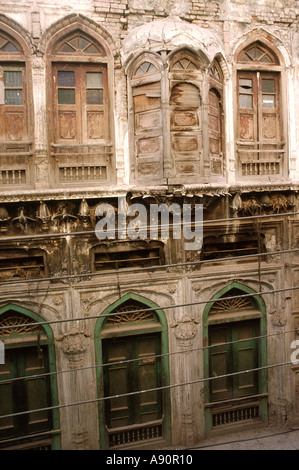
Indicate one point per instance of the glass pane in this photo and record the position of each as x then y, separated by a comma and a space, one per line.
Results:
268, 101
65, 78
268, 85
75, 42
67, 48
13, 79
66, 96
94, 96
83, 43
266, 58
9, 47
13, 97
245, 101
91, 49
94, 80
245, 85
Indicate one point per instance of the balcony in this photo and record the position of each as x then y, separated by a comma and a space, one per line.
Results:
84, 164
260, 159
16, 161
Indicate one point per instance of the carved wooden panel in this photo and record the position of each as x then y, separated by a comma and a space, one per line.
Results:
67, 125
15, 125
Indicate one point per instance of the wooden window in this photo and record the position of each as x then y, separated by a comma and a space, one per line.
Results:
228, 356
128, 255
25, 394
80, 103
22, 264
259, 125
143, 372
13, 102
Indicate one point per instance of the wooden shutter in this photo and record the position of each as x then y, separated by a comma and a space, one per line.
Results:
236, 356
148, 130
132, 376
215, 133
185, 126
26, 394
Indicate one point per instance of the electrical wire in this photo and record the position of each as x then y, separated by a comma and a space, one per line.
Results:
153, 356
152, 309
138, 392
159, 226
146, 268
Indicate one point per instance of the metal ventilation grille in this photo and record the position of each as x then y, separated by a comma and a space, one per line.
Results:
136, 435
235, 415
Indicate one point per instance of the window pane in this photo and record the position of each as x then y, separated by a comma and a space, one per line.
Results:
268, 85
67, 48
65, 78
94, 96
66, 96
94, 79
91, 49
13, 79
9, 47
83, 43
268, 101
245, 85
245, 101
13, 97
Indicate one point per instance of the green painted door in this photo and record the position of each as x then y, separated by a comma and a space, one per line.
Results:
233, 349
24, 394
124, 374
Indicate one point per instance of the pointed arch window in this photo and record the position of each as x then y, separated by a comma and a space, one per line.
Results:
80, 122
260, 139
16, 130
25, 383
133, 337
235, 329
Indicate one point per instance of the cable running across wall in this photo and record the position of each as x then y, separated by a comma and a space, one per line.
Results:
156, 356
163, 387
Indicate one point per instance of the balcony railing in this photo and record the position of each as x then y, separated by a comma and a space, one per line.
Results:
81, 163
260, 158
15, 164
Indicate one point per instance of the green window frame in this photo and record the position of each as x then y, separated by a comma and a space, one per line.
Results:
231, 352
128, 335
28, 382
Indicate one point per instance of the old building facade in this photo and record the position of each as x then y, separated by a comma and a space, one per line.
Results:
147, 102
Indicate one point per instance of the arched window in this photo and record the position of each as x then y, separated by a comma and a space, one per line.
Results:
235, 326
260, 140
15, 113
133, 331
79, 100
25, 383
